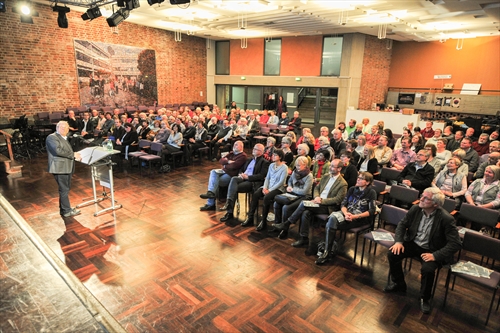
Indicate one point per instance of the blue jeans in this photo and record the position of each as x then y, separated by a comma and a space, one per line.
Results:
215, 180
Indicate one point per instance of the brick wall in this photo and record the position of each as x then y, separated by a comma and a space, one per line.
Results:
375, 73
38, 69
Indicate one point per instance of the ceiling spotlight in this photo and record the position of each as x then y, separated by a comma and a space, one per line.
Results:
118, 17
92, 13
62, 20
152, 2
3, 8
128, 4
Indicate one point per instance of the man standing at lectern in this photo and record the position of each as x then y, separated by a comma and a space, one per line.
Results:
62, 165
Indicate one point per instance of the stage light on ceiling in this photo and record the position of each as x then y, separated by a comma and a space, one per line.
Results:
62, 20
25, 9
152, 2
3, 7
128, 4
92, 13
118, 17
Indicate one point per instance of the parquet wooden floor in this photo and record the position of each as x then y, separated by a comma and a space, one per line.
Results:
160, 265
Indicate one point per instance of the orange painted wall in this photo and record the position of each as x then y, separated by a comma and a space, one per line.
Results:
415, 64
301, 56
249, 61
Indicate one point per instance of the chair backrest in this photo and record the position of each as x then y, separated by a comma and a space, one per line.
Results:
403, 194
484, 216
379, 186
392, 214
265, 130
481, 244
388, 174
144, 143
156, 146
272, 127
449, 205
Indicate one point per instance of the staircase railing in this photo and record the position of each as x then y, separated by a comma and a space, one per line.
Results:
302, 95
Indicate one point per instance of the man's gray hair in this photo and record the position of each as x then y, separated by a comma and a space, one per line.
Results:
437, 195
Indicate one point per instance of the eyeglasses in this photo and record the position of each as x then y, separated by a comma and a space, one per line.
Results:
361, 178
423, 198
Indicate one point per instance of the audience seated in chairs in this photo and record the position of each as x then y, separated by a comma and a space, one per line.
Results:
302, 150
124, 143
221, 139
249, 180
485, 192
349, 171
418, 174
321, 165
295, 124
231, 165
198, 141
293, 138
356, 210
174, 141
143, 129
452, 183
273, 185
327, 198
414, 238
162, 135
155, 128
285, 146
269, 149
368, 162
300, 185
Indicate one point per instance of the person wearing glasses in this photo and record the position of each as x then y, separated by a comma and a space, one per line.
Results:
328, 196
418, 174
250, 178
356, 210
428, 232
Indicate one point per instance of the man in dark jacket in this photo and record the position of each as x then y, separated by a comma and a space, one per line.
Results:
429, 233
251, 177
62, 165
231, 164
418, 174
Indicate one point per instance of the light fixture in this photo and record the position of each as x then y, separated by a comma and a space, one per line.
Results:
178, 35
92, 13
128, 4
26, 11
460, 44
118, 17
298, 79
62, 20
382, 31
244, 43
152, 2
3, 7
243, 78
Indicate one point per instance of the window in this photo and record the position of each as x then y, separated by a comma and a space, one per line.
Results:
222, 58
272, 57
332, 54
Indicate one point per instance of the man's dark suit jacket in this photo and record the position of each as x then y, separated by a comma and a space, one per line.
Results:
420, 179
443, 238
259, 171
60, 153
90, 128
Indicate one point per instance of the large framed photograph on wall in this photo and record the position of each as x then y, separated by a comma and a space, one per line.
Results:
115, 75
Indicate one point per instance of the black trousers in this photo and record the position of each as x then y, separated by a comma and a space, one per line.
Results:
64, 184
427, 271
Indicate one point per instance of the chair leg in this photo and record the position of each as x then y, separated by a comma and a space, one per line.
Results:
355, 246
491, 306
446, 287
435, 283
363, 251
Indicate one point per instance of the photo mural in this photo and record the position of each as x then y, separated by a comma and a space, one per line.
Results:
115, 75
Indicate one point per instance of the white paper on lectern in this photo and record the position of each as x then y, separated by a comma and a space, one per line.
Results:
91, 155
